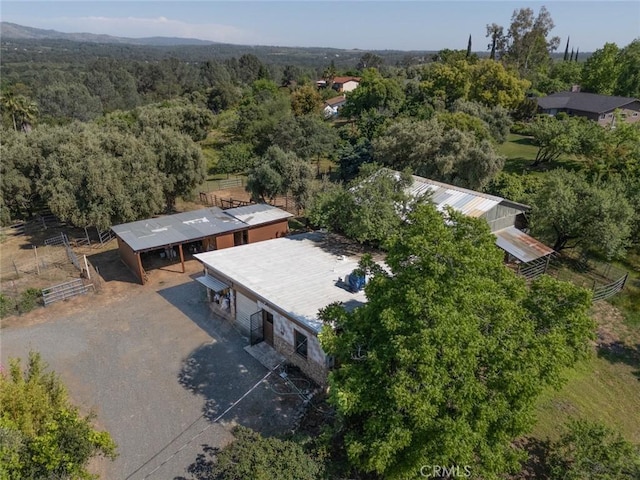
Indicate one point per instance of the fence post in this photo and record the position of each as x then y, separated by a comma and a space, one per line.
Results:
86, 266
35, 252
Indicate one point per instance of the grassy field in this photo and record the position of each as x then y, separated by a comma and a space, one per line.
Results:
606, 387
629, 300
521, 152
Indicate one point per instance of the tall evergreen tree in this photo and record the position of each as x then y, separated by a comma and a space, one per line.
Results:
571, 58
469, 47
577, 51
566, 50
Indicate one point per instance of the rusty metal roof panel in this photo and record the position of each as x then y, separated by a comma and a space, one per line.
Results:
521, 245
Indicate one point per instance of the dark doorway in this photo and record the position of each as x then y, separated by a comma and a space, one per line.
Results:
240, 238
267, 327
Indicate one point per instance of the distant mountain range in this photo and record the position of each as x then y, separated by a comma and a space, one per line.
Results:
21, 32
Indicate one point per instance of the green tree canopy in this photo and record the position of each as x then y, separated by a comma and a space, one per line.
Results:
236, 157
628, 84
251, 455
382, 95
280, 173
527, 45
592, 451
571, 212
484, 81
179, 115
558, 136
430, 150
444, 362
601, 70
305, 100
42, 435
179, 160
17, 171
97, 177
369, 210
493, 85
497, 119
308, 136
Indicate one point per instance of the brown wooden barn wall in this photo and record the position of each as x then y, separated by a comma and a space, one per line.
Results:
267, 232
130, 258
224, 241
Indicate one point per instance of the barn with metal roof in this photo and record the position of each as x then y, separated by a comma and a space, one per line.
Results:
169, 238
503, 216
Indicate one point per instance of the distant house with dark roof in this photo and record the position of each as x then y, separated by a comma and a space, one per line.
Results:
599, 108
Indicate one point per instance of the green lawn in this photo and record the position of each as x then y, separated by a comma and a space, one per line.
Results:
598, 389
605, 388
628, 301
521, 152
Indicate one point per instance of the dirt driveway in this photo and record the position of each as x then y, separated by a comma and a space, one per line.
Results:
157, 368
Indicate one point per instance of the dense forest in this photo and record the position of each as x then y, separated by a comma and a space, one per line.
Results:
101, 134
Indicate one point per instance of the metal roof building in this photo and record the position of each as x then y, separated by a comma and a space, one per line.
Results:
204, 229
184, 227
468, 202
501, 215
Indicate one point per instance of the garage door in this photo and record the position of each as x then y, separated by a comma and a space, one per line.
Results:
245, 307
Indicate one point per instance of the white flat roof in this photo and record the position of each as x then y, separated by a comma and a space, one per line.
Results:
297, 274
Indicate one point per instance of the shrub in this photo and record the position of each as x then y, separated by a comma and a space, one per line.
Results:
7, 306
29, 299
520, 128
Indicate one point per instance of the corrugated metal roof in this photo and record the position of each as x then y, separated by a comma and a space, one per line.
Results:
521, 245
178, 228
296, 274
212, 283
194, 225
468, 202
258, 213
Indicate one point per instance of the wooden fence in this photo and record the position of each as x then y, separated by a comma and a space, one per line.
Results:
211, 199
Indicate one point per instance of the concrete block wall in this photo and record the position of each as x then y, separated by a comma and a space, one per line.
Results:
284, 342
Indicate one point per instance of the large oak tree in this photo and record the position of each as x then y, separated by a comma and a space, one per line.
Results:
442, 366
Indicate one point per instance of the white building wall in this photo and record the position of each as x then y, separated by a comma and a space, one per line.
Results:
245, 307
349, 86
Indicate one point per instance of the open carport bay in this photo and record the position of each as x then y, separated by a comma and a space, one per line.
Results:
156, 367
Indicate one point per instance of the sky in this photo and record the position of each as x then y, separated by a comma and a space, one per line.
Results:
364, 24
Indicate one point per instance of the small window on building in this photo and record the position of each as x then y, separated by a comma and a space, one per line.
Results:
301, 344
602, 116
635, 114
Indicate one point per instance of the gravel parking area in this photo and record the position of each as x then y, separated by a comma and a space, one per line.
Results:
157, 368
